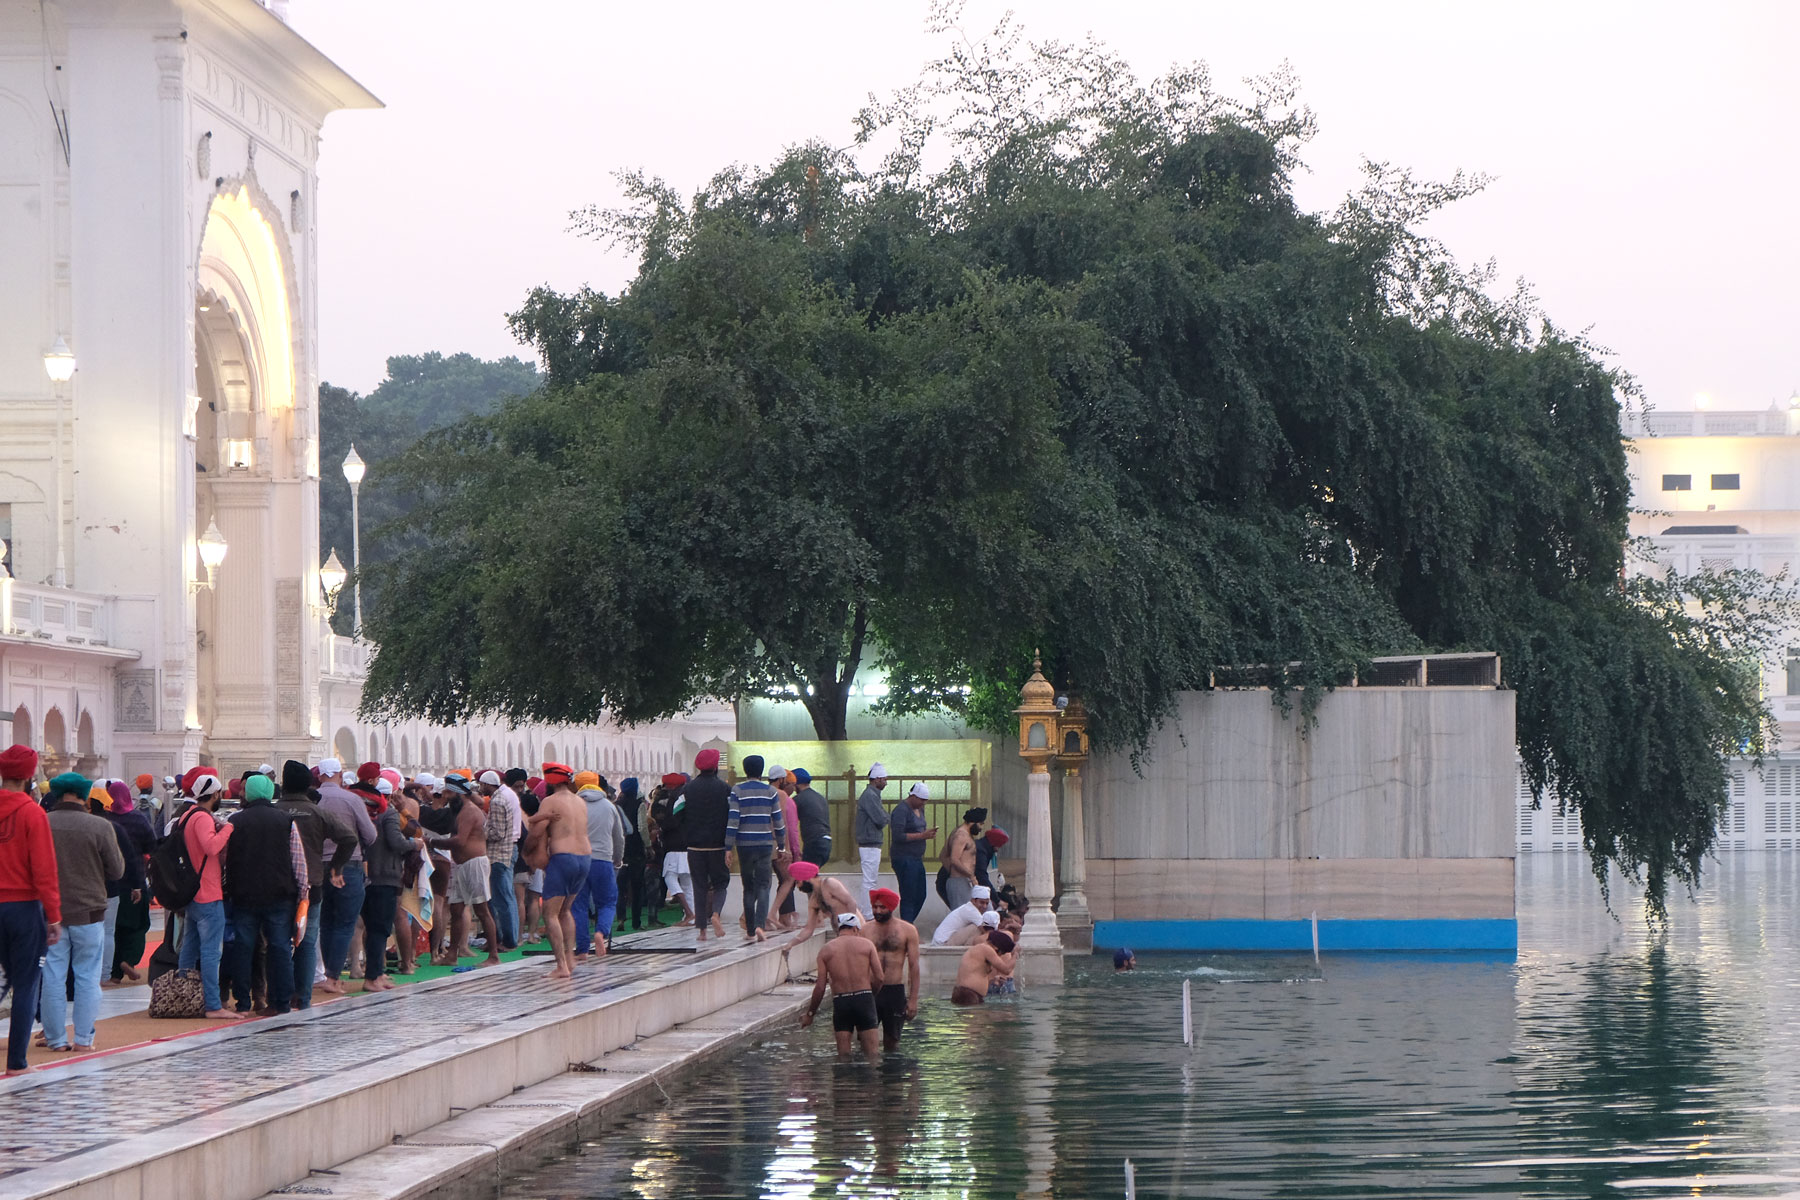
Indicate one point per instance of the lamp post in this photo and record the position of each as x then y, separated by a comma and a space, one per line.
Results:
1073, 920
331, 578
59, 365
1038, 743
213, 547
354, 469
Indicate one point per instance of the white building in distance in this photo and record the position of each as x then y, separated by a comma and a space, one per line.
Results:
159, 382
1719, 489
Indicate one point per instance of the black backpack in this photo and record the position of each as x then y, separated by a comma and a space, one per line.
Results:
174, 879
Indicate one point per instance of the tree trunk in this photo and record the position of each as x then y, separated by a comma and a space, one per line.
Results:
828, 706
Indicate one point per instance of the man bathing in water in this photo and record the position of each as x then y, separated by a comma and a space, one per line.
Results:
981, 964
563, 818
896, 1003
827, 900
851, 965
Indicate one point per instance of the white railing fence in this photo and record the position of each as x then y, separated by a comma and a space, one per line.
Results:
1762, 813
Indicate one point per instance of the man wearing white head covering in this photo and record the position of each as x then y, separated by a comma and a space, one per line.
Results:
964, 917
871, 819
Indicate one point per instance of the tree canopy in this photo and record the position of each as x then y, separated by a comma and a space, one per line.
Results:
1050, 356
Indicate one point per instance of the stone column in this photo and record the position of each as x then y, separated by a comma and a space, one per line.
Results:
1074, 923
1040, 870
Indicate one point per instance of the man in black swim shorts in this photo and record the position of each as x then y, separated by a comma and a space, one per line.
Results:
898, 942
851, 966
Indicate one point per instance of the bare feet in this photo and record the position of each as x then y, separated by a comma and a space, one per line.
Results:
718, 927
330, 985
382, 984
492, 960
561, 973
132, 974
21, 1071
225, 1014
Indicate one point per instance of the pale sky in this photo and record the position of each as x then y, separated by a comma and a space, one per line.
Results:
1643, 153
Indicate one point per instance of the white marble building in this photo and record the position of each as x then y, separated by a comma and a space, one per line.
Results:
157, 225
1719, 488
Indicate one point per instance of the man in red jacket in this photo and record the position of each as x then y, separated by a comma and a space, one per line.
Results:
30, 900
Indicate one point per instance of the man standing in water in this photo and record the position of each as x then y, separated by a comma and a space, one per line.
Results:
563, 819
896, 1003
988, 959
851, 966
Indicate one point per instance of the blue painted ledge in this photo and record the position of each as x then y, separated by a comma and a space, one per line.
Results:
1337, 935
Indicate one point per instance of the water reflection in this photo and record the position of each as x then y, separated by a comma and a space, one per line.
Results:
1607, 1060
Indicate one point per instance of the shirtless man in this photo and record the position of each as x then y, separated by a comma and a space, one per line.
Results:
563, 817
896, 1003
982, 963
469, 877
849, 963
959, 856
828, 899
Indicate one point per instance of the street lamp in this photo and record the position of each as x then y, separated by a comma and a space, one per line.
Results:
1039, 742
212, 551
59, 365
331, 578
354, 469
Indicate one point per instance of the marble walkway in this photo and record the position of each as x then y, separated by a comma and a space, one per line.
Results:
53, 1117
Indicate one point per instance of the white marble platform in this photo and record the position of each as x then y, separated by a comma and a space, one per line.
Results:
235, 1113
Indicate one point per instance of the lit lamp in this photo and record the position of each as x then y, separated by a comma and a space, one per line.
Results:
354, 469
1039, 742
59, 365
212, 551
331, 578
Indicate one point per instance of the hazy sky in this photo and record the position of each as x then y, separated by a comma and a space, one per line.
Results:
1644, 153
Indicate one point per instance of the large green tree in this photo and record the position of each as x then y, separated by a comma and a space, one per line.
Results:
1053, 358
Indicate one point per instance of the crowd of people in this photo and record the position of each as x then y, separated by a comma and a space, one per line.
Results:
280, 883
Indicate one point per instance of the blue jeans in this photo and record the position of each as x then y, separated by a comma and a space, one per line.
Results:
306, 955
82, 947
343, 905
276, 923
910, 873
23, 933
601, 891
756, 869
202, 942
506, 921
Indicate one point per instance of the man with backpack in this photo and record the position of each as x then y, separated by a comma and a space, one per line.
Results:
265, 879
202, 836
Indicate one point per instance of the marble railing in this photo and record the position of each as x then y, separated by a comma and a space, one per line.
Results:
53, 614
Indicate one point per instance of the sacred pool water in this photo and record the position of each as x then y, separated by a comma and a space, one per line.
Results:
1608, 1059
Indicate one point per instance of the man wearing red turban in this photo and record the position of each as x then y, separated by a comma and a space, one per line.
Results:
896, 1003
30, 898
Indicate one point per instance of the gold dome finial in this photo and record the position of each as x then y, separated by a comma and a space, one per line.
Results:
1038, 691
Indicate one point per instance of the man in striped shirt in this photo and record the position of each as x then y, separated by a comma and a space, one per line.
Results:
754, 828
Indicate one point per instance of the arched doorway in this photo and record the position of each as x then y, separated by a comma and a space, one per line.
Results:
55, 750
85, 758
248, 697
344, 746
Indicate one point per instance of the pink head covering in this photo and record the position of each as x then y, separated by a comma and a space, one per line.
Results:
393, 777
121, 796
